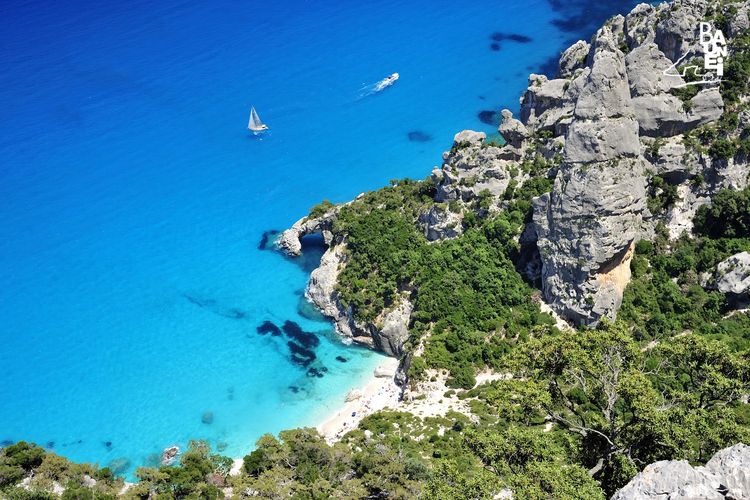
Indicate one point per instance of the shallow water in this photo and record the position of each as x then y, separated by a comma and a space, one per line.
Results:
133, 202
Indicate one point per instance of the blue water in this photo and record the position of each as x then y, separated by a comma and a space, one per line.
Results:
132, 200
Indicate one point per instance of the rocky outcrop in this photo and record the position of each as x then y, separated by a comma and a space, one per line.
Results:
513, 131
659, 113
441, 223
587, 225
617, 115
472, 167
572, 59
610, 122
733, 275
725, 476
290, 242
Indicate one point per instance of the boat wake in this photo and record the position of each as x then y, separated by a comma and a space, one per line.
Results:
376, 87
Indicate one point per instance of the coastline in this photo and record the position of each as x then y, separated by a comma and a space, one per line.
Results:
378, 392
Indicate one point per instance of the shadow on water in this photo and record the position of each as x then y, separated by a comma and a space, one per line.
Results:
313, 248
213, 306
581, 18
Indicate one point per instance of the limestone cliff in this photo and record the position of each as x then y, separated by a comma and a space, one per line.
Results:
615, 130
621, 126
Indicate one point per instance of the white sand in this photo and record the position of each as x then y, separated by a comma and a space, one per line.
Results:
377, 394
428, 400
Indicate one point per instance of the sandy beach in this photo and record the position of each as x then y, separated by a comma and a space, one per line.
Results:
378, 393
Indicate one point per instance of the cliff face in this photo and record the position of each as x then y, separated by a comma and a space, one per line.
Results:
614, 108
615, 130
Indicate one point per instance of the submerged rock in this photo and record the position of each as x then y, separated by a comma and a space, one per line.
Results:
268, 327
300, 355
207, 418
119, 465
419, 136
267, 236
489, 117
296, 333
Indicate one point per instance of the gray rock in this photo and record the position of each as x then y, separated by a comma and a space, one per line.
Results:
586, 227
725, 476
646, 65
471, 167
395, 330
677, 35
606, 93
671, 480
602, 140
673, 161
733, 274
513, 131
732, 465
740, 22
573, 58
289, 240
585, 233
469, 138
439, 223
541, 95
640, 25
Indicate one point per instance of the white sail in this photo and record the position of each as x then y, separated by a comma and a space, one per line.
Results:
255, 124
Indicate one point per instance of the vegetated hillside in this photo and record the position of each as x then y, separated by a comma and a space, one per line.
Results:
617, 200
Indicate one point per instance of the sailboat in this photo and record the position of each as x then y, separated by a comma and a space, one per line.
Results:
255, 125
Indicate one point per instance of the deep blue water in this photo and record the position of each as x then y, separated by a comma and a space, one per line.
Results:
132, 200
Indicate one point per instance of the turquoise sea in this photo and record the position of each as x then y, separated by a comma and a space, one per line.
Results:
133, 203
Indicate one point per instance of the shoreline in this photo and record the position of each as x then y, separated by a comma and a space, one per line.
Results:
378, 392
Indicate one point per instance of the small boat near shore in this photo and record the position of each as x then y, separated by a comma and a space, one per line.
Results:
255, 125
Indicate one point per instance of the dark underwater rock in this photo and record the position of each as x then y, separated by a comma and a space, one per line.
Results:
308, 310
119, 465
267, 235
341, 359
419, 136
300, 355
268, 327
207, 418
489, 117
495, 47
513, 37
296, 333
213, 306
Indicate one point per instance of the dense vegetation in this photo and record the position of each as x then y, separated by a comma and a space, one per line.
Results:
469, 302
584, 410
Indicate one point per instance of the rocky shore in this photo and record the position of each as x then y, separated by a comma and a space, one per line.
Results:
631, 155
614, 135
